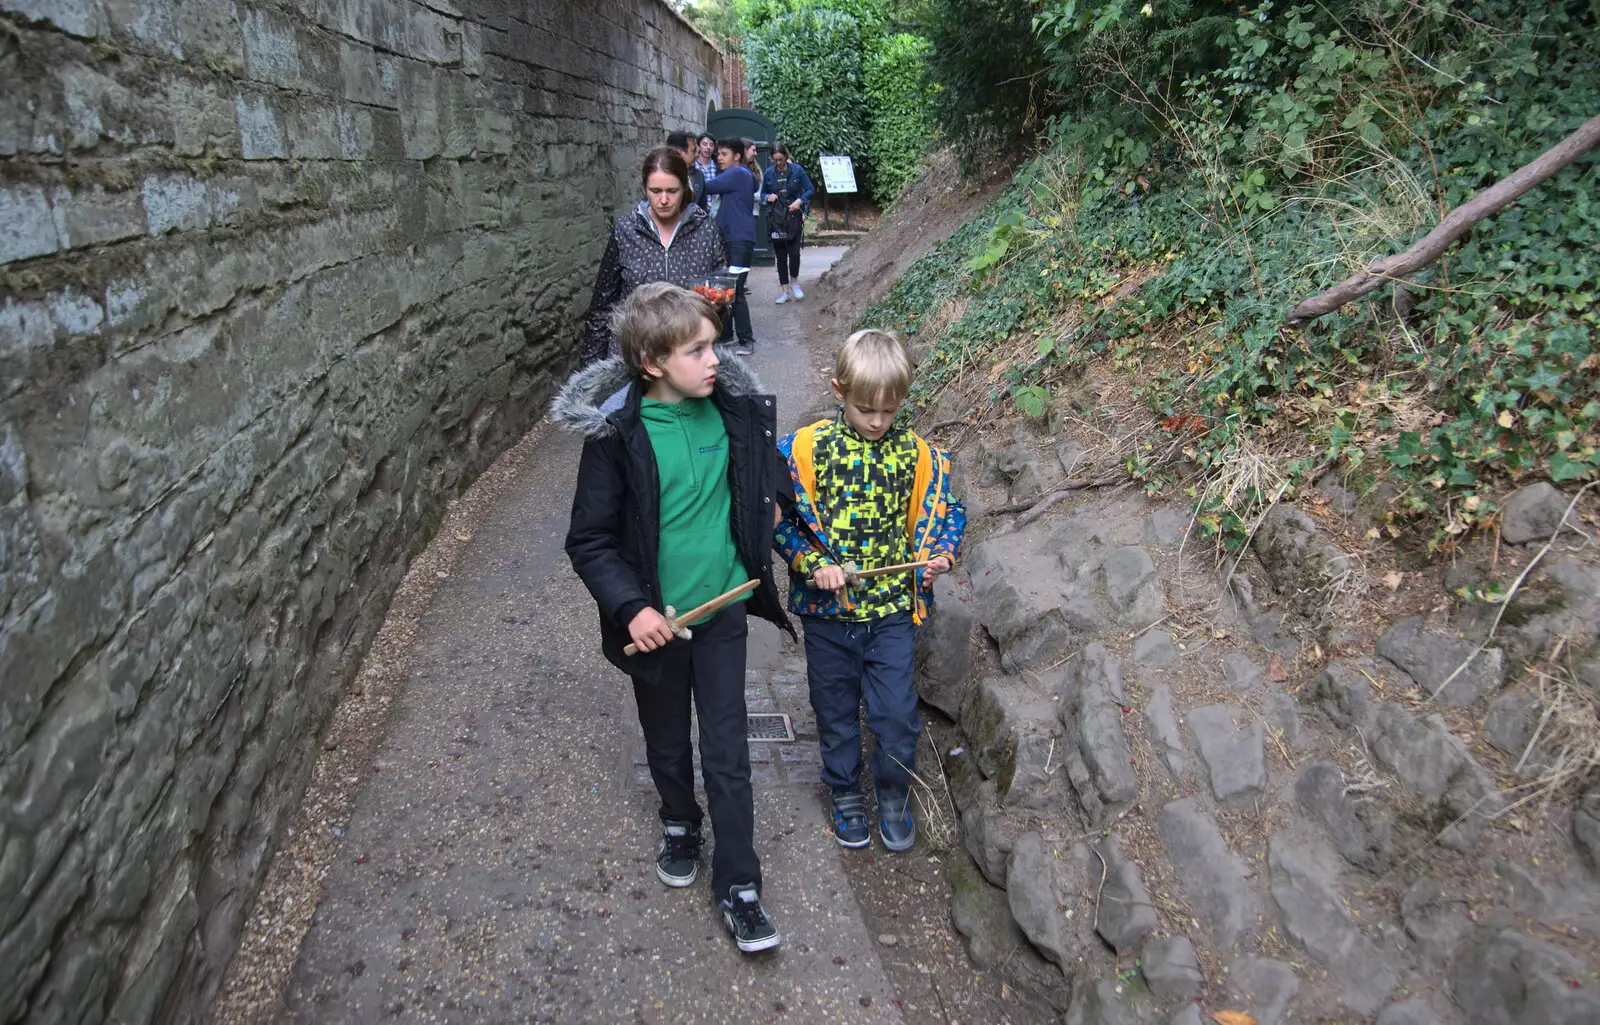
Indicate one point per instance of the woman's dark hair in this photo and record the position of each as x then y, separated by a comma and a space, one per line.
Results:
670, 161
779, 147
734, 146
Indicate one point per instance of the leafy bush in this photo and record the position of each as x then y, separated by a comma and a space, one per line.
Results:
1193, 197
805, 74
990, 68
899, 100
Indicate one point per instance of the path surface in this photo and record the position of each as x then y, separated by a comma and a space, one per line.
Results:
499, 864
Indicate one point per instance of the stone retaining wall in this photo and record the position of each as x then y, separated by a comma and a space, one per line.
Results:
276, 280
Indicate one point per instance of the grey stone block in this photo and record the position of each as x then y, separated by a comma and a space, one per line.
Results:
1125, 915
1265, 987
1436, 923
1359, 829
1532, 513
1314, 911
1234, 757
1171, 969
1508, 979
1213, 877
1155, 648
1032, 897
1241, 671
1432, 658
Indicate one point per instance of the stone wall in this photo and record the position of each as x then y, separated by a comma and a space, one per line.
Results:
276, 280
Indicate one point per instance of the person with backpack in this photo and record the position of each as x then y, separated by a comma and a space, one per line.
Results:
788, 200
737, 221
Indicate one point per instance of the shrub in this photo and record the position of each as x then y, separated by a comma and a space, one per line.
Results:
805, 74
899, 99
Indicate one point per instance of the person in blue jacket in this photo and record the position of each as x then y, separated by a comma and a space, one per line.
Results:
788, 199
737, 221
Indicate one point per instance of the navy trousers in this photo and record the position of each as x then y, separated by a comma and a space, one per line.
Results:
710, 668
846, 661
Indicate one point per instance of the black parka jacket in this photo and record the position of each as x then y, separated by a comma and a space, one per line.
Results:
614, 536
635, 256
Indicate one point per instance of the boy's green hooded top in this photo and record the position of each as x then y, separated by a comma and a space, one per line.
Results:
697, 560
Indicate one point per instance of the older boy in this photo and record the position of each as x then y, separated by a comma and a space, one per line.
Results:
868, 494
675, 505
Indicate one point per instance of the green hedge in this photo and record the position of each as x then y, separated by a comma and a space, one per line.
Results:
900, 102
805, 74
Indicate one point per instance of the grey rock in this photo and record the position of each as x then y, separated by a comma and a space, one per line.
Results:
1415, 1011
1343, 690
1457, 798
1314, 911
983, 828
1189, 1014
980, 912
1431, 657
1072, 457
1030, 483
1234, 757
1359, 829
1532, 513
1102, 1002
1000, 466
1340, 497
1508, 979
1166, 526
1212, 877
1283, 711
945, 648
1098, 760
1125, 915
1155, 648
1241, 671
1437, 923
1031, 894
1133, 587
1013, 729
1586, 829
1164, 728
1299, 561
1171, 969
1511, 724
1264, 987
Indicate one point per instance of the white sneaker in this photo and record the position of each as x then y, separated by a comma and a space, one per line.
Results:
798, 294
783, 297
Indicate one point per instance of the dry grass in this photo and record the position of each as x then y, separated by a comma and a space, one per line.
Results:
937, 825
1567, 739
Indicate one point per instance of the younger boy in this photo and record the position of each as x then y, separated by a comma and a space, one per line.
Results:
868, 494
675, 505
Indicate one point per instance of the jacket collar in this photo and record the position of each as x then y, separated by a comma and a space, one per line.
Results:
595, 397
688, 221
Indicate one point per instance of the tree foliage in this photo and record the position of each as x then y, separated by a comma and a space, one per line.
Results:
805, 74
900, 100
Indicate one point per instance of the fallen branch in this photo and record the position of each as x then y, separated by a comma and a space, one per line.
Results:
1051, 497
1455, 224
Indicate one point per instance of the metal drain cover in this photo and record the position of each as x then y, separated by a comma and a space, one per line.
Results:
768, 726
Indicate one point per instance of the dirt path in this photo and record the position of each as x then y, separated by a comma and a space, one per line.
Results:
495, 861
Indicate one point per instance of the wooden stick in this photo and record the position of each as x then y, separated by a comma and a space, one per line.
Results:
1455, 224
853, 576
714, 605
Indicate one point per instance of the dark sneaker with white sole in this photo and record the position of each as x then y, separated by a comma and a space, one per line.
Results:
676, 860
850, 819
751, 928
895, 826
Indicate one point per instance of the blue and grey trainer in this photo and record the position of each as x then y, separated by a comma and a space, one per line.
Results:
749, 924
850, 819
680, 850
895, 825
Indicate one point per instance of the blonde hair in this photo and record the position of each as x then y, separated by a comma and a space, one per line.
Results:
657, 318
873, 365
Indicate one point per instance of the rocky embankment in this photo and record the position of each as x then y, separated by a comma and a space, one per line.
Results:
1182, 796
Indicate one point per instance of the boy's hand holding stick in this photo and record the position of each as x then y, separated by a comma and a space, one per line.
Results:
853, 577
716, 604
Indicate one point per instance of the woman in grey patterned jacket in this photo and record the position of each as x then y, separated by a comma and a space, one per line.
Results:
667, 237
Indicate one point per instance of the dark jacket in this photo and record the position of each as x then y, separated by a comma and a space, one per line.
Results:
736, 215
789, 186
697, 185
635, 256
614, 537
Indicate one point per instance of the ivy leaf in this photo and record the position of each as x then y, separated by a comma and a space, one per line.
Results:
1564, 467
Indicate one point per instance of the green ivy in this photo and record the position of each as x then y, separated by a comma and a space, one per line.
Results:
900, 101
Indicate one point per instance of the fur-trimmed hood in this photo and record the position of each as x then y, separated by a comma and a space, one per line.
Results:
585, 403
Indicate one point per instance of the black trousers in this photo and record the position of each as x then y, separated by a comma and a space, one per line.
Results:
739, 255
788, 255
710, 667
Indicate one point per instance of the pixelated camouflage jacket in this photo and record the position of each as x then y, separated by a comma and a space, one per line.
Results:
935, 521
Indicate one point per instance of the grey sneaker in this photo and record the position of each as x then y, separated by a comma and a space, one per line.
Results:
850, 819
783, 297
797, 292
745, 349
895, 825
679, 852
751, 928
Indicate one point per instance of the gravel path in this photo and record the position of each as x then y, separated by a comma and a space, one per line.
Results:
497, 860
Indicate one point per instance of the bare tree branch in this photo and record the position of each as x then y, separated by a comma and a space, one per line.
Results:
1455, 224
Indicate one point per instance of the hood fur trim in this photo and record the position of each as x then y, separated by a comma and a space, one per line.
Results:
578, 405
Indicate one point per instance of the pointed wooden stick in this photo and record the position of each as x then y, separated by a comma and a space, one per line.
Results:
855, 576
714, 605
